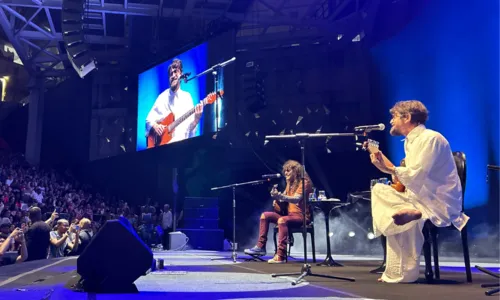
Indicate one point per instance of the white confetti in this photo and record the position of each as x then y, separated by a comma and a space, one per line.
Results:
298, 120
327, 111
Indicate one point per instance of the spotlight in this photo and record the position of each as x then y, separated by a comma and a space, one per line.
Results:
352, 234
370, 236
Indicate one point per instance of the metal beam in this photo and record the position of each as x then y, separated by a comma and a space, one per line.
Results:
40, 48
92, 39
29, 21
152, 10
5, 24
49, 18
22, 18
112, 8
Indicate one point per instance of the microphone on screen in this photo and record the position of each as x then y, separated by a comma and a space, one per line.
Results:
185, 76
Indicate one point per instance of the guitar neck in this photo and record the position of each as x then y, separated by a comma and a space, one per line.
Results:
183, 117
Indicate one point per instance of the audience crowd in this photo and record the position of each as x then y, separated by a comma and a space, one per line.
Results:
46, 214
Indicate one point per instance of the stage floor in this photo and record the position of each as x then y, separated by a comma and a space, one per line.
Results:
194, 275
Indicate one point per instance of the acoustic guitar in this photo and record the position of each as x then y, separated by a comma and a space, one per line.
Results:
280, 208
372, 146
170, 123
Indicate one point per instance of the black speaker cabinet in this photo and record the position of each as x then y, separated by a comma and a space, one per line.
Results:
114, 259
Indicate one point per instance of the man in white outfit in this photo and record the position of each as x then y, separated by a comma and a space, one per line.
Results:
174, 100
433, 192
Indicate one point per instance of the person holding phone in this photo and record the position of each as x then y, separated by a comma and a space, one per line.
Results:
60, 241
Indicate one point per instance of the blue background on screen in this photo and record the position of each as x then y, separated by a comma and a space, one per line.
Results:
155, 80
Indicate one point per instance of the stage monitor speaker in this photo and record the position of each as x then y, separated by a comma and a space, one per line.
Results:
72, 27
114, 259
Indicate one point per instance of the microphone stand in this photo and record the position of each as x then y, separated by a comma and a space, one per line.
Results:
215, 69
234, 245
302, 137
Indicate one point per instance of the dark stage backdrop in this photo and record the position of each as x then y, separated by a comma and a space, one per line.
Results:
447, 57
66, 123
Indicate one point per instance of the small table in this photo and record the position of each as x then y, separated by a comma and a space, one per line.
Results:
327, 206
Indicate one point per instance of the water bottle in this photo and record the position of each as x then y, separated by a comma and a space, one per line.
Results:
321, 196
312, 196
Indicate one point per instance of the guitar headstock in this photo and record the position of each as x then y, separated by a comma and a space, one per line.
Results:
210, 98
371, 146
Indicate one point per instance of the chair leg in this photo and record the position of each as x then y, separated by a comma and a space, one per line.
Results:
313, 246
429, 275
465, 248
275, 243
435, 253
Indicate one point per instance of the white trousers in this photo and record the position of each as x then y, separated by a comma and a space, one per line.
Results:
404, 243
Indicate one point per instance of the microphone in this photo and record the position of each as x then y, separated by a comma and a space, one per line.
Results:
271, 176
185, 76
368, 128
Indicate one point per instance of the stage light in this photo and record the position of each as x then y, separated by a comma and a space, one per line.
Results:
3, 81
352, 234
370, 236
330, 234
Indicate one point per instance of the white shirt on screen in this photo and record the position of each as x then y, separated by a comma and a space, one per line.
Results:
178, 103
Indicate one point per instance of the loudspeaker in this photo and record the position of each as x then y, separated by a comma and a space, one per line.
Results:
114, 259
72, 25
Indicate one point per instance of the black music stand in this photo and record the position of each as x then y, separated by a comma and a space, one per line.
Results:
490, 285
496, 275
302, 137
234, 245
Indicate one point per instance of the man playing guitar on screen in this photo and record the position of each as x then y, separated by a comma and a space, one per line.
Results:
173, 101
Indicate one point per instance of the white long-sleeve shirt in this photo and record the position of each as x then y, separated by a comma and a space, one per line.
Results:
177, 103
431, 178
166, 221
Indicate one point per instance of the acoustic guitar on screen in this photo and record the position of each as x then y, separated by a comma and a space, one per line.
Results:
373, 147
170, 123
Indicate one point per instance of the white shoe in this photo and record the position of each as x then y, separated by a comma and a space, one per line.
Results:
276, 260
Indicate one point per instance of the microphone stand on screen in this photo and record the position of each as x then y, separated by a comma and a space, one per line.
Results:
214, 70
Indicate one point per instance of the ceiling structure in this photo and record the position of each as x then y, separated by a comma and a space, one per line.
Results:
33, 27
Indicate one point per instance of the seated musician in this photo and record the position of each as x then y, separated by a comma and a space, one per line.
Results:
290, 199
432, 192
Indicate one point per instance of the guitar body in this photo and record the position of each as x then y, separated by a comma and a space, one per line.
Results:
398, 186
372, 147
154, 140
281, 208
